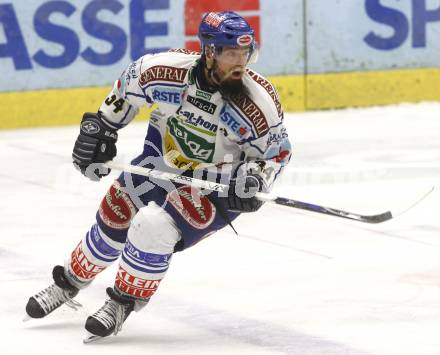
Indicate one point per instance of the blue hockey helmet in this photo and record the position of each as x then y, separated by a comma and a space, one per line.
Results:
221, 29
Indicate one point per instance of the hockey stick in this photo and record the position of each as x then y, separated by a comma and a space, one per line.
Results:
213, 186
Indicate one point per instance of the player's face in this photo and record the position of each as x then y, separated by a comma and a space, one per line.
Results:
231, 63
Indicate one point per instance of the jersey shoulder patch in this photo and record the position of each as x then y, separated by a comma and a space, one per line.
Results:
163, 73
168, 67
269, 88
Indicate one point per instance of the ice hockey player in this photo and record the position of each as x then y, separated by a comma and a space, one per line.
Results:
215, 118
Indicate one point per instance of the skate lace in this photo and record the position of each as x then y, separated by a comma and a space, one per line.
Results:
54, 296
111, 314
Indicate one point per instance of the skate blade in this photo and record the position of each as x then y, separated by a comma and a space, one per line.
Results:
27, 318
91, 338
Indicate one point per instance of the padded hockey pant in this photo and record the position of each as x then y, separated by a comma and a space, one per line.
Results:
142, 224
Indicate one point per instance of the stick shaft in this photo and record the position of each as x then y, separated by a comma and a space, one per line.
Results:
213, 186
162, 175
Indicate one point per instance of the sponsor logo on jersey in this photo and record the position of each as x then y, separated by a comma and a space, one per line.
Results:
116, 209
174, 158
230, 120
130, 73
282, 156
81, 267
203, 95
266, 85
122, 85
169, 95
135, 286
244, 40
202, 104
163, 73
197, 210
279, 154
199, 122
90, 127
251, 110
192, 145
277, 138
126, 77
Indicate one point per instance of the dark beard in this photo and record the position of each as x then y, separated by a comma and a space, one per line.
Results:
233, 88
228, 89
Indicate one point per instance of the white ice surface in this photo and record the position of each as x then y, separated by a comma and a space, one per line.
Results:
293, 282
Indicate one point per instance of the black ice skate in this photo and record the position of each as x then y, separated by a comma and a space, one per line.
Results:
110, 317
59, 293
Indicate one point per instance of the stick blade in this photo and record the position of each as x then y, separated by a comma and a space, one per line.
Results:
377, 218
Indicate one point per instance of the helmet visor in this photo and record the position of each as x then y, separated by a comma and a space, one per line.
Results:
236, 55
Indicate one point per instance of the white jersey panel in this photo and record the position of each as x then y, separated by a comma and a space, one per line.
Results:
201, 129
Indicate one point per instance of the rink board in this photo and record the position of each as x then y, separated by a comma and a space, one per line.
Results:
359, 89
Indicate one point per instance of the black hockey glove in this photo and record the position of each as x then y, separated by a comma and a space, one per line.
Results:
241, 187
96, 143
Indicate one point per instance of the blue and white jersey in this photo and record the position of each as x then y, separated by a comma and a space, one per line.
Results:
197, 129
